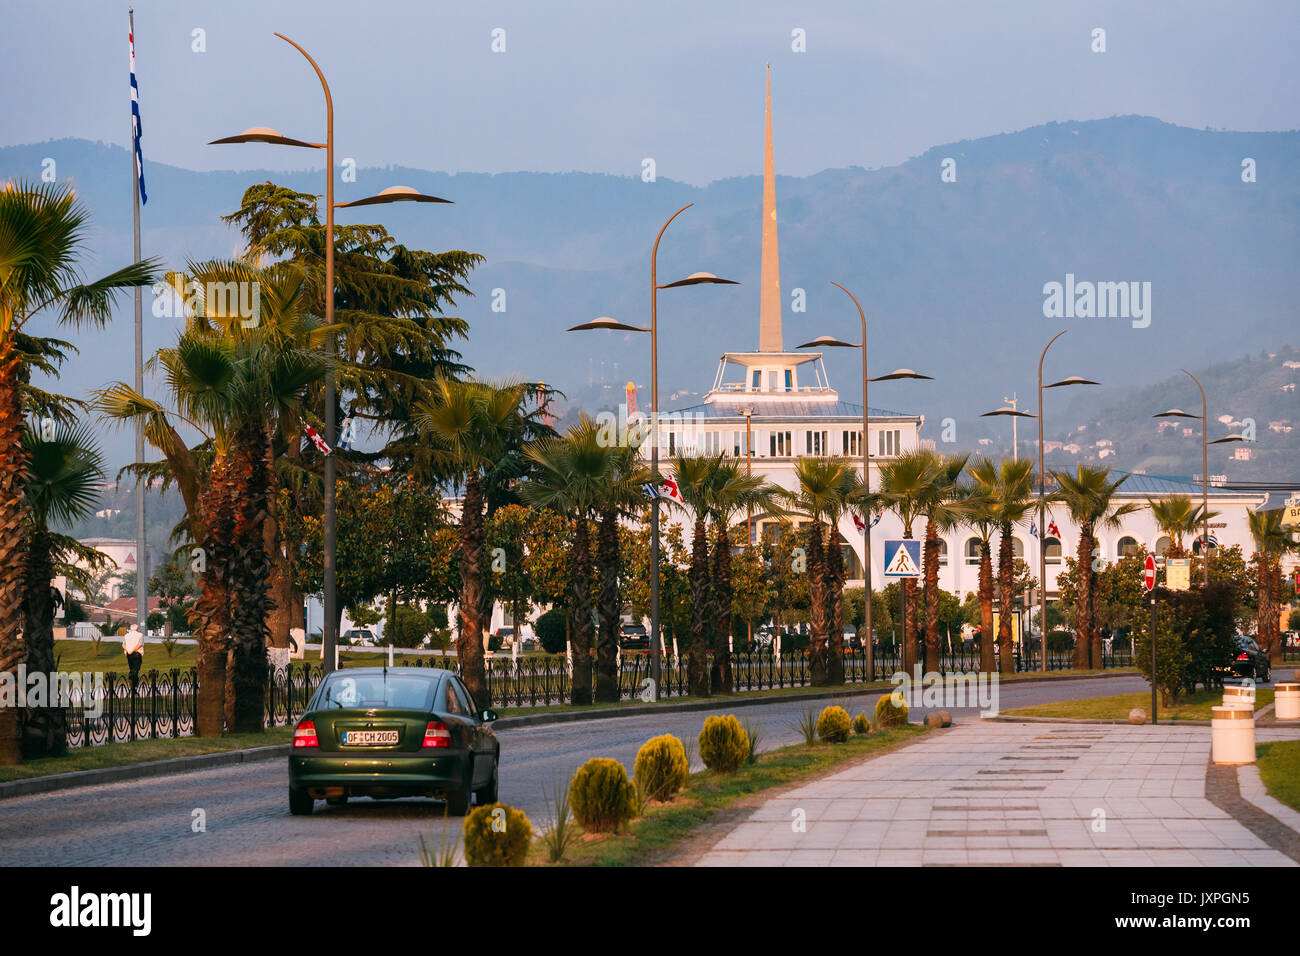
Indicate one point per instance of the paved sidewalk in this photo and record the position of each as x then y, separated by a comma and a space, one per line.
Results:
1010, 794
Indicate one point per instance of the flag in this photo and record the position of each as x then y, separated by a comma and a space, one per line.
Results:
1053, 530
136, 131
876, 520
857, 522
670, 490
347, 435
316, 440
1033, 528
650, 491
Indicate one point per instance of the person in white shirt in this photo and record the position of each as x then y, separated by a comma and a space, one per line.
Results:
133, 647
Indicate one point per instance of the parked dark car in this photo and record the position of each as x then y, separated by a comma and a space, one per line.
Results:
1249, 661
633, 637
386, 732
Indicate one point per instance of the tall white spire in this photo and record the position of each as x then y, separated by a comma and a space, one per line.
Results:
769, 310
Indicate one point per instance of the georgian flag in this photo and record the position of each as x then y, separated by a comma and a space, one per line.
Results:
1053, 530
136, 131
316, 440
668, 490
858, 523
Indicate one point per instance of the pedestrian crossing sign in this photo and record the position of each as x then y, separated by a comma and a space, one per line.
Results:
902, 558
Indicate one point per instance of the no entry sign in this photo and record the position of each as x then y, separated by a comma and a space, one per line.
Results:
1149, 575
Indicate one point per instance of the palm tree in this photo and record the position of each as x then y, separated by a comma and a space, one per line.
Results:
1089, 494
849, 493
619, 495
471, 428
1008, 487
904, 487
981, 515
731, 492
695, 482
1272, 541
944, 510
42, 234
821, 489
1177, 516
232, 383
63, 471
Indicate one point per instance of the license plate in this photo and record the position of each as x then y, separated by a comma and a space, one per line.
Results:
368, 738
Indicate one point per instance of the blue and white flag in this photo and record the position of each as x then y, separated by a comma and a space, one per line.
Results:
136, 132
347, 434
1033, 528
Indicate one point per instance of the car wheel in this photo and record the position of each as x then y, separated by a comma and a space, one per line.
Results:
488, 793
300, 802
458, 800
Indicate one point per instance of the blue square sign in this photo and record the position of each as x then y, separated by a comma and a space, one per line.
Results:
902, 558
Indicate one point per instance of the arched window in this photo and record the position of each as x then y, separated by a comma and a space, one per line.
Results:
943, 553
1162, 547
1127, 545
1052, 550
1018, 549
973, 551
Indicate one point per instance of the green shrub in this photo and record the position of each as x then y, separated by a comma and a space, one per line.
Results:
550, 631
660, 768
496, 835
861, 725
833, 725
888, 714
601, 795
807, 727
754, 732
724, 745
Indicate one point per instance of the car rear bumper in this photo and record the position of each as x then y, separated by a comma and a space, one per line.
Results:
430, 773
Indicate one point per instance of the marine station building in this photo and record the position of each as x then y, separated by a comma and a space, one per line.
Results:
778, 406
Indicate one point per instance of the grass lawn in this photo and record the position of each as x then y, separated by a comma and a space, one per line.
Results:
79, 655
142, 751
1279, 768
1189, 707
721, 699
708, 793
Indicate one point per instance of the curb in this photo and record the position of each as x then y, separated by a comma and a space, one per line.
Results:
137, 771
1112, 721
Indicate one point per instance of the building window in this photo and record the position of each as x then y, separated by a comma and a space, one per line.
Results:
1052, 550
757, 380
973, 551
1162, 548
672, 443
737, 442
1018, 549
815, 443
888, 443
780, 444
853, 444
1127, 545
943, 553
789, 380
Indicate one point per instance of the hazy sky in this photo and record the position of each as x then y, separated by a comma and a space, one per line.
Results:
600, 86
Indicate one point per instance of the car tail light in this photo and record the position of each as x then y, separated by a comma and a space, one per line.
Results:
304, 735
436, 734
1242, 657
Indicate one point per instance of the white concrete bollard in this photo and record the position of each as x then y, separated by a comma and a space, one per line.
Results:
1286, 701
1232, 735
1242, 696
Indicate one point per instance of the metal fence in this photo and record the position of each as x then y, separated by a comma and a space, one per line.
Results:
163, 704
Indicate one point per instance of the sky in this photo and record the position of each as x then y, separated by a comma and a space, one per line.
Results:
603, 86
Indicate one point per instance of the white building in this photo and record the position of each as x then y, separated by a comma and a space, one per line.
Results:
787, 407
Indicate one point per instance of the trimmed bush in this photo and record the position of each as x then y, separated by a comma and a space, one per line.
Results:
724, 745
861, 725
496, 835
661, 768
550, 631
601, 795
888, 714
833, 725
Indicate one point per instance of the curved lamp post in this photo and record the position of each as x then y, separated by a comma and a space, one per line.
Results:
827, 341
1042, 484
263, 134
695, 278
1205, 465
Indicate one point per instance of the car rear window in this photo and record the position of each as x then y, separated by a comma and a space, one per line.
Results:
377, 690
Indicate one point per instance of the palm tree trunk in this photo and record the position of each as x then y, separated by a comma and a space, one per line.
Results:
469, 645
720, 675
930, 562
13, 514
835, 609
1006, 566
250, 599
580, 611
697, 668
1083, 613
45, 729
1269, 588
986, 606
607, 558
817, 605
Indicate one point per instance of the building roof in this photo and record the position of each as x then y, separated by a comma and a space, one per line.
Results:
1174, 485
724, 409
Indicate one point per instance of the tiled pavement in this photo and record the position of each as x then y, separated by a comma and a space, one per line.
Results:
1011, 794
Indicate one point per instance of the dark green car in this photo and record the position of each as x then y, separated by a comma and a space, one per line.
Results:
388, 732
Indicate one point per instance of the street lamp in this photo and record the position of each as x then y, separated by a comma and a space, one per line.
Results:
695, 278
827, 341
263, 134
1042, 485
1205, 465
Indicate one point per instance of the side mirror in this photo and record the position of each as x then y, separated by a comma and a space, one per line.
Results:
488, 716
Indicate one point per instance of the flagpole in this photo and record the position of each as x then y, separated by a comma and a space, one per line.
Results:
141, 547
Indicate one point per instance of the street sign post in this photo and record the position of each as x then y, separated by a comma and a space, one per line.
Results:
902, 557
1149, 582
